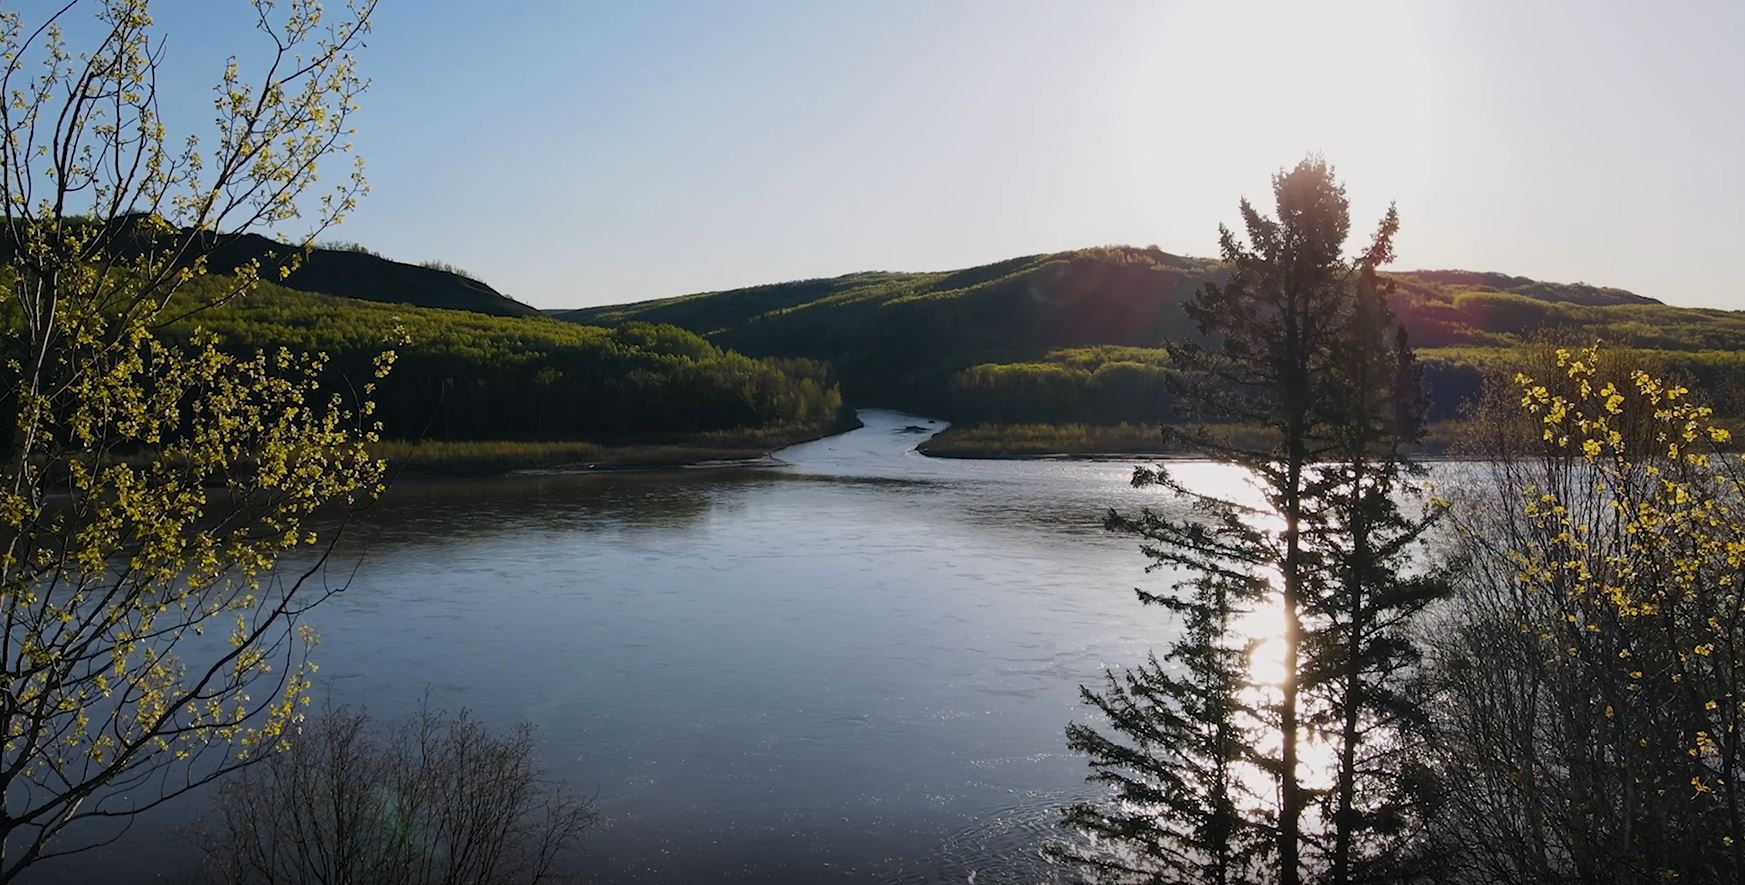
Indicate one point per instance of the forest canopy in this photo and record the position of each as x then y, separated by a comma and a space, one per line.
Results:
466, 376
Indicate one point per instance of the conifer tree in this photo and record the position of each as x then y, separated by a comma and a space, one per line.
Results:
1296, 368
1273, 331
1183, 811
1360, 654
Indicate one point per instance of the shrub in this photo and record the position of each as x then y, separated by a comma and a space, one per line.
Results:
440, 801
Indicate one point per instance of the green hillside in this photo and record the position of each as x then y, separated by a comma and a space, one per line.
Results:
485, 382
470, 376
897, 339
1053, 338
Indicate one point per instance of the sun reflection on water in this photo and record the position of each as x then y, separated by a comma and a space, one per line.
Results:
1262, 629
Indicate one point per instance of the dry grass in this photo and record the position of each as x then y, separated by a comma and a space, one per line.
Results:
486, 457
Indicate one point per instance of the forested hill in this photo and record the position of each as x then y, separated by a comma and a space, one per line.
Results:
1068, 336
477, 366
463, 375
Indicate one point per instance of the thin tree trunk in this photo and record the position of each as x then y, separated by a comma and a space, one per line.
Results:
1738, 843
1291, 791
1344, 815
1221, 750
1294, 402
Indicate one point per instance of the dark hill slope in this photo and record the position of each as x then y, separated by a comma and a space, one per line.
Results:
1130, 296
351, 272
370, 277
1113, 295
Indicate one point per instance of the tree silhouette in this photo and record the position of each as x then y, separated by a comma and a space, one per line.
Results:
1297, 340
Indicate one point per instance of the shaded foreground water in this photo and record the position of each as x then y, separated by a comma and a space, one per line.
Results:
854, 667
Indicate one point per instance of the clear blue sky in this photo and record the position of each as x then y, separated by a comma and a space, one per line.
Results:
582, 153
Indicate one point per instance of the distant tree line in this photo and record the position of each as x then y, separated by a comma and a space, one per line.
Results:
1090, 385
348, 246
445, 267
1132, 384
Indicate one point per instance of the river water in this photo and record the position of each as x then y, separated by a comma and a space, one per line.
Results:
852, 666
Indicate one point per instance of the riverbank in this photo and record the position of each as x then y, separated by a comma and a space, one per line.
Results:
1111, 441
460, 458
1044, 441
756, 447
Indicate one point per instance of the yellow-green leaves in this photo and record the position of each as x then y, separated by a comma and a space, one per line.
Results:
1636, 539
149, 486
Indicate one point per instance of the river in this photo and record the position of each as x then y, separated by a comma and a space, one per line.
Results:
852, 666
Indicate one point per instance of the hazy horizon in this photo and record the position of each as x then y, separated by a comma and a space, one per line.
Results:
574, 155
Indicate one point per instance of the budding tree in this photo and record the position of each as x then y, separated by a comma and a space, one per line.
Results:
149, 485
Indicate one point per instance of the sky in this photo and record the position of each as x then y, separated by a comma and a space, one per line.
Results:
576, 153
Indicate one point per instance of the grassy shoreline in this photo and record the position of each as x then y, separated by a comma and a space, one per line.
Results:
470, 458
1104, 441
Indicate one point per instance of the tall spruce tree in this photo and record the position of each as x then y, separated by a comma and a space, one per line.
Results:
1293, 342
1359, 653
